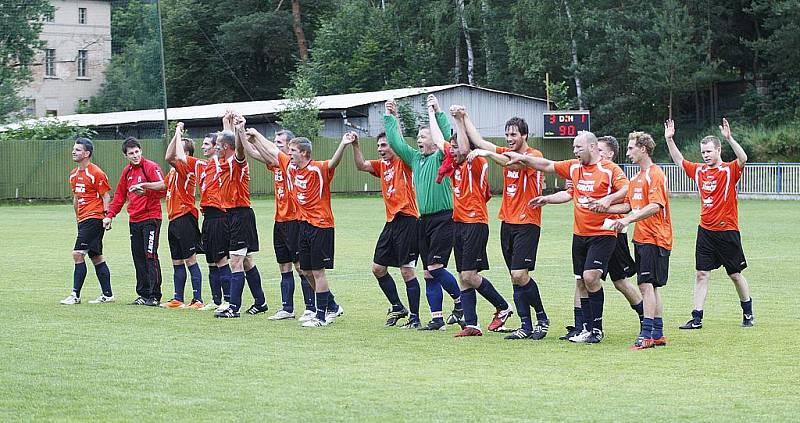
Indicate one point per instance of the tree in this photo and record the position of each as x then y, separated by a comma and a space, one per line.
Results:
21, 24
300, 111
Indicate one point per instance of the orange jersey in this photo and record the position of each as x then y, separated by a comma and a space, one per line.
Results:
519, 187
591, 182
235, 183
312, 190
210, 183
649, 186
717, 188
285, 207
181, 181
397, 186
89, 185
471, 191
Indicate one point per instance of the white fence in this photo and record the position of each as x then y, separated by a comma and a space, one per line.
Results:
759, 179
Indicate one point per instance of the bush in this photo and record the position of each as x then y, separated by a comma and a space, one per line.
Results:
46, 129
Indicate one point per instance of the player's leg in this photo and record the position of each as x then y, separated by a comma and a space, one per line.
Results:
178, 267
152, 233
103, 276
196, 278
138, 244
408, 273
253, 277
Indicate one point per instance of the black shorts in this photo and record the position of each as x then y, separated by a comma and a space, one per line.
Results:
519, 243
436, 238
469, 246
90, 237
719, 248
621, 265
316, 247
183, 236
652, 263
215, 238
592, 253
242, 226
397, 243
284, 240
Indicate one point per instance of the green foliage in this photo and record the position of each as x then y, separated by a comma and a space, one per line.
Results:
46, 129
410, 119
20, 25
559, 95
300, 112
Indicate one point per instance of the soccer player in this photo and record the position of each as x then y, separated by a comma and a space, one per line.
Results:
285, 231
183, 231
521, 225
719, 242
144, 212
90, 199
435, 204
397, 243
593, 178
215, 238
311, 181
235, 195
648, 198
470, 185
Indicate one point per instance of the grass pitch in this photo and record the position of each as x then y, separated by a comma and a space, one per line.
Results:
120, 362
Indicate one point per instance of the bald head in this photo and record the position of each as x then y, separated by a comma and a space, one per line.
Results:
584, 146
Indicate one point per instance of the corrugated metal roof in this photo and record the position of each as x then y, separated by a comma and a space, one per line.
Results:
253, 108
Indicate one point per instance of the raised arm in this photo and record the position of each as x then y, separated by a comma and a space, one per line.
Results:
180, 146
725, 129
171, 154
460, 113
393, 136
436, 131
463, 140
238, 128
260, 148
358, 158
674, 151
539, 163
347, 139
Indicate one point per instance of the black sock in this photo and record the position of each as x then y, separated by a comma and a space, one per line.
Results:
413, 292
523, 309
179, 279
596, 300
639, 309
488, 291
468, 301
578, 313
197, 282
104, 276
254, 282
747, 306
697, 315
322, 304
287, 291
216, 284
586, 310
531, 291
225, 276
237, 287
308, 293
78, 277
387, 285
332, 306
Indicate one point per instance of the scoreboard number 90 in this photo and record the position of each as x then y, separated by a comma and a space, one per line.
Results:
565, 124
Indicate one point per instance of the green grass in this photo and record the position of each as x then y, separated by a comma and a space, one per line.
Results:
118, 362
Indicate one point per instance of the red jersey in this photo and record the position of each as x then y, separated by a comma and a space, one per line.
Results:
235, 183
397, 186
89, 185
591, 182
649, 186
285, 207
717, 189
519, 187
471, 191
181, 181
312, 189
140, 208
210, 183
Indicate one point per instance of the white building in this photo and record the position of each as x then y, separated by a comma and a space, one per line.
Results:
71, 68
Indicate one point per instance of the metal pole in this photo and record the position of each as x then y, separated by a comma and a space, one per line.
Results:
163, 71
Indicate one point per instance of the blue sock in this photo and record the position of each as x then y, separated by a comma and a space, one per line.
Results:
225, 282
179, 278
586, 309
639, 309
78, 277
254, 282
216, 284
747, 306
237, 288
469, 301
449, 283
523, 308
658, 327
287, 291
308, 293
531, 291
387, 285
647, 328
596, 300
322, 304
332, 306
413, 293
578, 313
697, 315
104, 276
197, 282
433, 292
488, 291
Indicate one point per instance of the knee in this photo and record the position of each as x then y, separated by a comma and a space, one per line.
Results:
427, 275
408, 273
78, 256
591, 278
701, 277
519, 277
378, 270
191, 261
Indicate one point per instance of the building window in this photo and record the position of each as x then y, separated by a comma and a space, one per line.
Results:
82, 56
82, 15
51, 113
50, 62
30, 106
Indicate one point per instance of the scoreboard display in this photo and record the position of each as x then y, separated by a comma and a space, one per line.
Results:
565, 124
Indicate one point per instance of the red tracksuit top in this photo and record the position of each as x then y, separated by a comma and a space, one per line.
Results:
140, 208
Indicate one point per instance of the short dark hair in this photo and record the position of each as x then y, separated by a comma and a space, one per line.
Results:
289, 134
520, 123
381, 135
188, 146
87, 144
213, 137
130, 142
611, 142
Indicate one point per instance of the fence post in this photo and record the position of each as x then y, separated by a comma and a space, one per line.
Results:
779, 174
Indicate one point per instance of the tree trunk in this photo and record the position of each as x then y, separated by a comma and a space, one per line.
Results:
302, 46
574, 51
696, 109
457, 65
467, 39
487, 49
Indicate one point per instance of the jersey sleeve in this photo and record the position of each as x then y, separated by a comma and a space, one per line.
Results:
690, 168
657, 191
562, 168
102, 183
618, 178
396, 141
376, 168
738, 170
444, 124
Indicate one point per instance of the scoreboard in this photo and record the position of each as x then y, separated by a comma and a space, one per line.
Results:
565, 124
